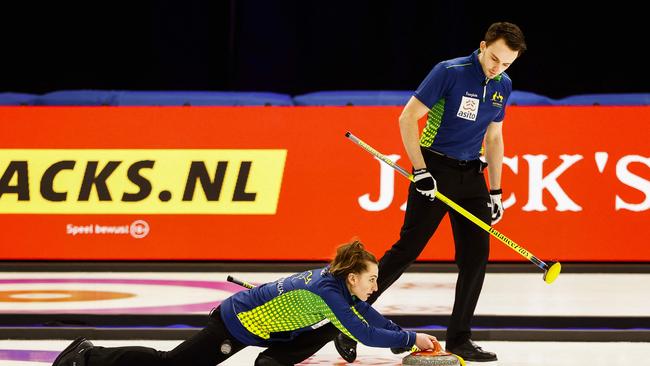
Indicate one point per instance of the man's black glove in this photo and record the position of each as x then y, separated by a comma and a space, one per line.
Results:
497, 205
424, 183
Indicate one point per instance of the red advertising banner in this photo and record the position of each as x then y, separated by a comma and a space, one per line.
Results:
283, 183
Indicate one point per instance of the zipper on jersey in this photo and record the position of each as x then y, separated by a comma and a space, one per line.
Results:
485, 87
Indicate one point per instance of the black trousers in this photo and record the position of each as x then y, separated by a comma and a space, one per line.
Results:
463, 183
210, 346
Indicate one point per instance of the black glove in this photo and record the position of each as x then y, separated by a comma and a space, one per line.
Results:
497, 205
424, 183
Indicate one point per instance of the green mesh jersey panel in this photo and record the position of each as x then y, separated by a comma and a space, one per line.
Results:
290, 311
434, 119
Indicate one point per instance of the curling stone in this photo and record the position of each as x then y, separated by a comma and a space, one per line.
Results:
435, 357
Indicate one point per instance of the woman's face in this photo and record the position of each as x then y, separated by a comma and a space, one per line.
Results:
363, 284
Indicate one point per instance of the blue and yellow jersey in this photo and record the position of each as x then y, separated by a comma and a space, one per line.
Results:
280, 310
462, 103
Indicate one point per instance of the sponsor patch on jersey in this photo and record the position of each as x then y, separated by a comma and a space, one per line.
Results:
468, 108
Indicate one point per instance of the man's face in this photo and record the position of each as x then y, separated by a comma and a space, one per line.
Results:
363, 284
496, 57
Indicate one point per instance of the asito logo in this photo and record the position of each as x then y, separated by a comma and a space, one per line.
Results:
468, 108
140, 181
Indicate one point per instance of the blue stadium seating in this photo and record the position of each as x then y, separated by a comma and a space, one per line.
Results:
162, 98
13, 99
201, 98
322, 98
78, 98
356, 98
527, 98
521, 98
394, 98
607, 99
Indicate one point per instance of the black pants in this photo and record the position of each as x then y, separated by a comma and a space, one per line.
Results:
464, 184
212, 345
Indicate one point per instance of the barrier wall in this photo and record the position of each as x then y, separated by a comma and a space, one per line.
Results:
282, 183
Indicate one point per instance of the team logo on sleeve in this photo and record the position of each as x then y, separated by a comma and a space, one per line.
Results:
468, 108
497, 99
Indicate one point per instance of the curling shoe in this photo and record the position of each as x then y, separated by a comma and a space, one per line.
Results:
346, 346
74, 354
470, 351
